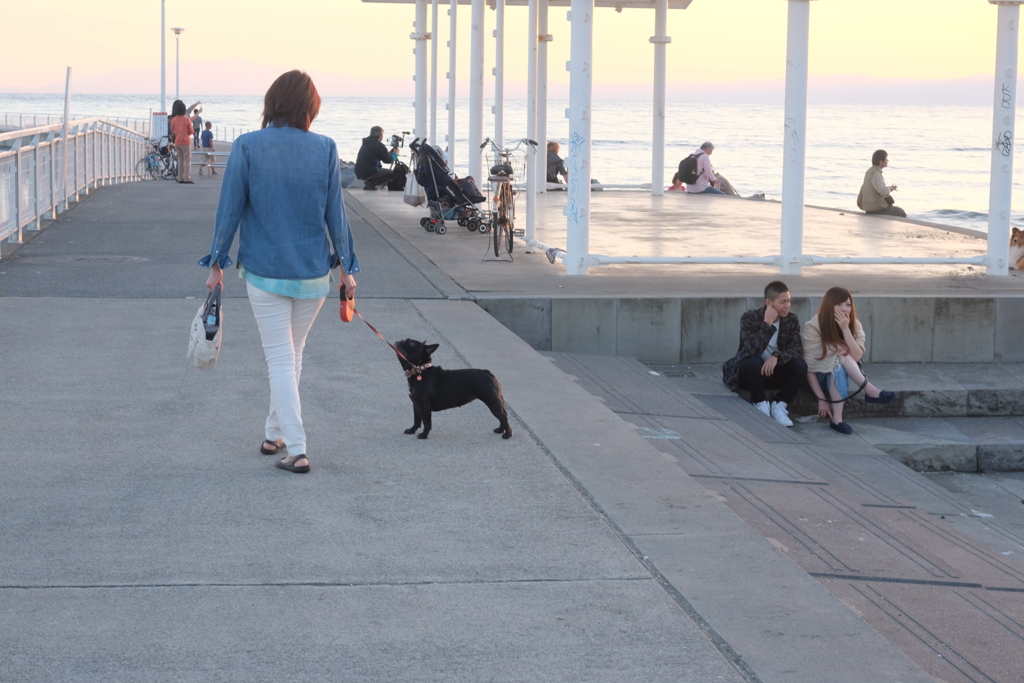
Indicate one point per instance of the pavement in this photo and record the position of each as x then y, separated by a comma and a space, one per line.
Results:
633, 529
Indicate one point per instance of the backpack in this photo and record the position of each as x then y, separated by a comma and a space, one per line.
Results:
688, 169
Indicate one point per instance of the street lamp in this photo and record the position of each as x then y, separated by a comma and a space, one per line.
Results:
177, 62
163, 57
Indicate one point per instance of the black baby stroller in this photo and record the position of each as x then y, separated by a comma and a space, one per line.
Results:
448, 198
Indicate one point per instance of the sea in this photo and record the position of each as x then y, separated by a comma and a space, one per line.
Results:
939, 156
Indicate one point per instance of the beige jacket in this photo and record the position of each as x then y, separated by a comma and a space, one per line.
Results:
873, 192
834, 358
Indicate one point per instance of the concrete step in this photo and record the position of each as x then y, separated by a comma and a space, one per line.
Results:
956, 444
946, 417
922, 389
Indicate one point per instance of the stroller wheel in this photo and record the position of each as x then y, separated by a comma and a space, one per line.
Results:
429, 227
424, 221
463, 221
441, 229
483, 226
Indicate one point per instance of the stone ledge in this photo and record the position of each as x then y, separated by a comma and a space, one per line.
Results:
900, 329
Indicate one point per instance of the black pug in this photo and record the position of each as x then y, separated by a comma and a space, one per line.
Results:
432, 388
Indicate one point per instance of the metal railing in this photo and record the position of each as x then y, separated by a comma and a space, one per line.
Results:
15, 121
32, 181
229, 133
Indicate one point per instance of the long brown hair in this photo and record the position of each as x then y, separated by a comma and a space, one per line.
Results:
291, 100
831, 334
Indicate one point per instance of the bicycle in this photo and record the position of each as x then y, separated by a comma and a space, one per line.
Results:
506, 164
160, 161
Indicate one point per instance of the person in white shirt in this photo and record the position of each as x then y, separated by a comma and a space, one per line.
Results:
706, 182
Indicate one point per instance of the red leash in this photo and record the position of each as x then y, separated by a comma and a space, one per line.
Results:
348, 308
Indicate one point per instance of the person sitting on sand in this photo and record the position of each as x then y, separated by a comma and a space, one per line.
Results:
875, 198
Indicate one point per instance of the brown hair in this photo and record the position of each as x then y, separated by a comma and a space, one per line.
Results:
831, 334
553, 147
291, 100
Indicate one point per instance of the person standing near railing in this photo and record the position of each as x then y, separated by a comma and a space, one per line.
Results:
181, 133
208, 148
197, 127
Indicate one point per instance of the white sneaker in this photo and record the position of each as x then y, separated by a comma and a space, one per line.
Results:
780, 414
764, 408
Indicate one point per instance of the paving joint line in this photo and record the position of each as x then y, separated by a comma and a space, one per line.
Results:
770, 481
317, 584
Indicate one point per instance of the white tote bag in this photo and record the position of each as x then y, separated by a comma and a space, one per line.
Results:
207, 332
414, 195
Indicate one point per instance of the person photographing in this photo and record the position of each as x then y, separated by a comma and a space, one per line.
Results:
372, 156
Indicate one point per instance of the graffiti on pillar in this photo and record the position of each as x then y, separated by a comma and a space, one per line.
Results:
1004, 143
575, 143
1007, 102
792, 141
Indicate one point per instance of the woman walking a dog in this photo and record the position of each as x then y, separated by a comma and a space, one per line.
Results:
833, 346
282, 186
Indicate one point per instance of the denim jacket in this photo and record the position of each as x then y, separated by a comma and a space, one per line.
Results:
282, 186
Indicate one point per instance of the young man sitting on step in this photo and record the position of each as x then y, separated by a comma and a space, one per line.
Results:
770, 354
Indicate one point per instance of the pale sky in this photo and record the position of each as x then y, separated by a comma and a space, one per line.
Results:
356, 48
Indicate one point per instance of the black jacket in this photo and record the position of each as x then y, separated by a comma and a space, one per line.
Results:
371, 155
755, 334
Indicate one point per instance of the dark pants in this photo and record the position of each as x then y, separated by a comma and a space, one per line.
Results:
787, 378
890, 211
381, 177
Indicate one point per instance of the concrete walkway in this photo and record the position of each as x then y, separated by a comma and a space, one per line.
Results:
146, 539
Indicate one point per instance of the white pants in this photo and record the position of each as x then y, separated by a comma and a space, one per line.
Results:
284, 323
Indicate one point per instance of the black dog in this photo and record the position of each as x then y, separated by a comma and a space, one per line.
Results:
432, 388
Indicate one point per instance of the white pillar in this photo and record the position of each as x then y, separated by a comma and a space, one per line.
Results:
433, 72
476, 90
177, 65
530, 234
163, 59
499, 71
658, 139
581, 87
419, 36
452, 64
542, 95
794, 142
1004, 109
64, 142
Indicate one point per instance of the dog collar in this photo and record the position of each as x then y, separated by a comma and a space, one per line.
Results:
417, 370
